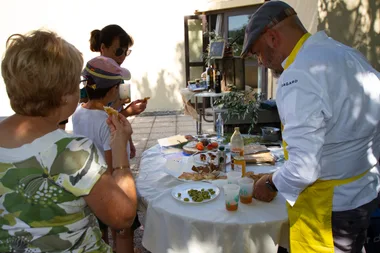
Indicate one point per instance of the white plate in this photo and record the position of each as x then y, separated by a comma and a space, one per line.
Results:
175, 168
191, 144
184, 188
197, 158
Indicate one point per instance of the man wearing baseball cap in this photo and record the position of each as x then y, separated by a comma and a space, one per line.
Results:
328, 99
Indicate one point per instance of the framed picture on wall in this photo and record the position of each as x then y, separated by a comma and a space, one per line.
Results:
216, 49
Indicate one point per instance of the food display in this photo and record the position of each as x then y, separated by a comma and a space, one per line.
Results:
202, 144
198, 196
199, 176
205, 144
195, 193
206, 172
256, 177
205, 158
260, 158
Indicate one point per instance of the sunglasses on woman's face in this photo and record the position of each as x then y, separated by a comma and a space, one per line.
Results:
120, 51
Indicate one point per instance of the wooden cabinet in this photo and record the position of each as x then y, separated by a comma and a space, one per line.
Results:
233, 72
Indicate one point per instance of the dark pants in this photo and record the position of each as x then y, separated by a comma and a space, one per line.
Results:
350, 227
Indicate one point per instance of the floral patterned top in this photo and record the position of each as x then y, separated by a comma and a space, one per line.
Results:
42, 185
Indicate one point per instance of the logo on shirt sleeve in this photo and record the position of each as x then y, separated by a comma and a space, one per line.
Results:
289, 83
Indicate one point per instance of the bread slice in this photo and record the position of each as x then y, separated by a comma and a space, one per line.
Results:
110, 111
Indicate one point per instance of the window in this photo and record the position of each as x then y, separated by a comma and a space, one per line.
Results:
230, 24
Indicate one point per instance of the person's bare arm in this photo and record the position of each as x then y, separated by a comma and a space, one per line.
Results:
133, 149
117, 165
108, 158
113, 199
134, 108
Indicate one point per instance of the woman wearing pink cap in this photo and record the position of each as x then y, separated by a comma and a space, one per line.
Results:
103, 77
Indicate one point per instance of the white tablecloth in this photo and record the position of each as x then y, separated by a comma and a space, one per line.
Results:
172, 226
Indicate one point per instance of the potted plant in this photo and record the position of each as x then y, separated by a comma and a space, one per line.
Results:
241, 104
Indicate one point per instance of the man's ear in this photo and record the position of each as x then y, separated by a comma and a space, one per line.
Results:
273, 38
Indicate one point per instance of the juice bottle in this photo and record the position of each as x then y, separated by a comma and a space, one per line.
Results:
237, 146
239, 164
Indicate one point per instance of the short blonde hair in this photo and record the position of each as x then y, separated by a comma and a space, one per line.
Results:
39, 68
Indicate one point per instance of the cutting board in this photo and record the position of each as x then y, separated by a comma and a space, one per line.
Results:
265, 157
254, 148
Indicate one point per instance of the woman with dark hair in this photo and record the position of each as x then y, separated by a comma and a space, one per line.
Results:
115, 43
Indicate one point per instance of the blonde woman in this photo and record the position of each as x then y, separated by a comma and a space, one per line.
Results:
54, 183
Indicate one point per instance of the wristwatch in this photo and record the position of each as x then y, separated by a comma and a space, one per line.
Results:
270, 185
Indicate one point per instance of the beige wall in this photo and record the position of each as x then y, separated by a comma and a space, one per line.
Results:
157, 61
211, 5
355, 23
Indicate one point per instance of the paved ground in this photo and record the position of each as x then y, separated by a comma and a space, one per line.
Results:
146, 131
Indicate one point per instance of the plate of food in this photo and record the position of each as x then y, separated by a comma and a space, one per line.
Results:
185, 170
207, 173
195, 193
202, 145
208, 157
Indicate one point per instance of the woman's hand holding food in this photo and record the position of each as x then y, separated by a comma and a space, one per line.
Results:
121, 132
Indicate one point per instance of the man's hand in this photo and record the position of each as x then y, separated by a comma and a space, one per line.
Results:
134, 108
262, 192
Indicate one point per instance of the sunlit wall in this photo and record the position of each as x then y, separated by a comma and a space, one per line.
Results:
157, 60
355, 23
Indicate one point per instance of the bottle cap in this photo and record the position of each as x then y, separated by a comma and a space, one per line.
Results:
221, 148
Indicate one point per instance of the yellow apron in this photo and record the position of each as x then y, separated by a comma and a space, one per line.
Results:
310, 217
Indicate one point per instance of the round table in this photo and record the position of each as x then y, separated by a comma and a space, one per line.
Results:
172, 226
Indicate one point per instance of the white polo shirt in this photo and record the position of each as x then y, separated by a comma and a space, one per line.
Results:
329, 101
93, 125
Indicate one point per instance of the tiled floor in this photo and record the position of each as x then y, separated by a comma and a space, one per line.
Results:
147, 130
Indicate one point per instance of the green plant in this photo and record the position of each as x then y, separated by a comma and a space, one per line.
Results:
240, 104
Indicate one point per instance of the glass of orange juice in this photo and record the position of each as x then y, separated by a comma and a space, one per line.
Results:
231, 196
246, 190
